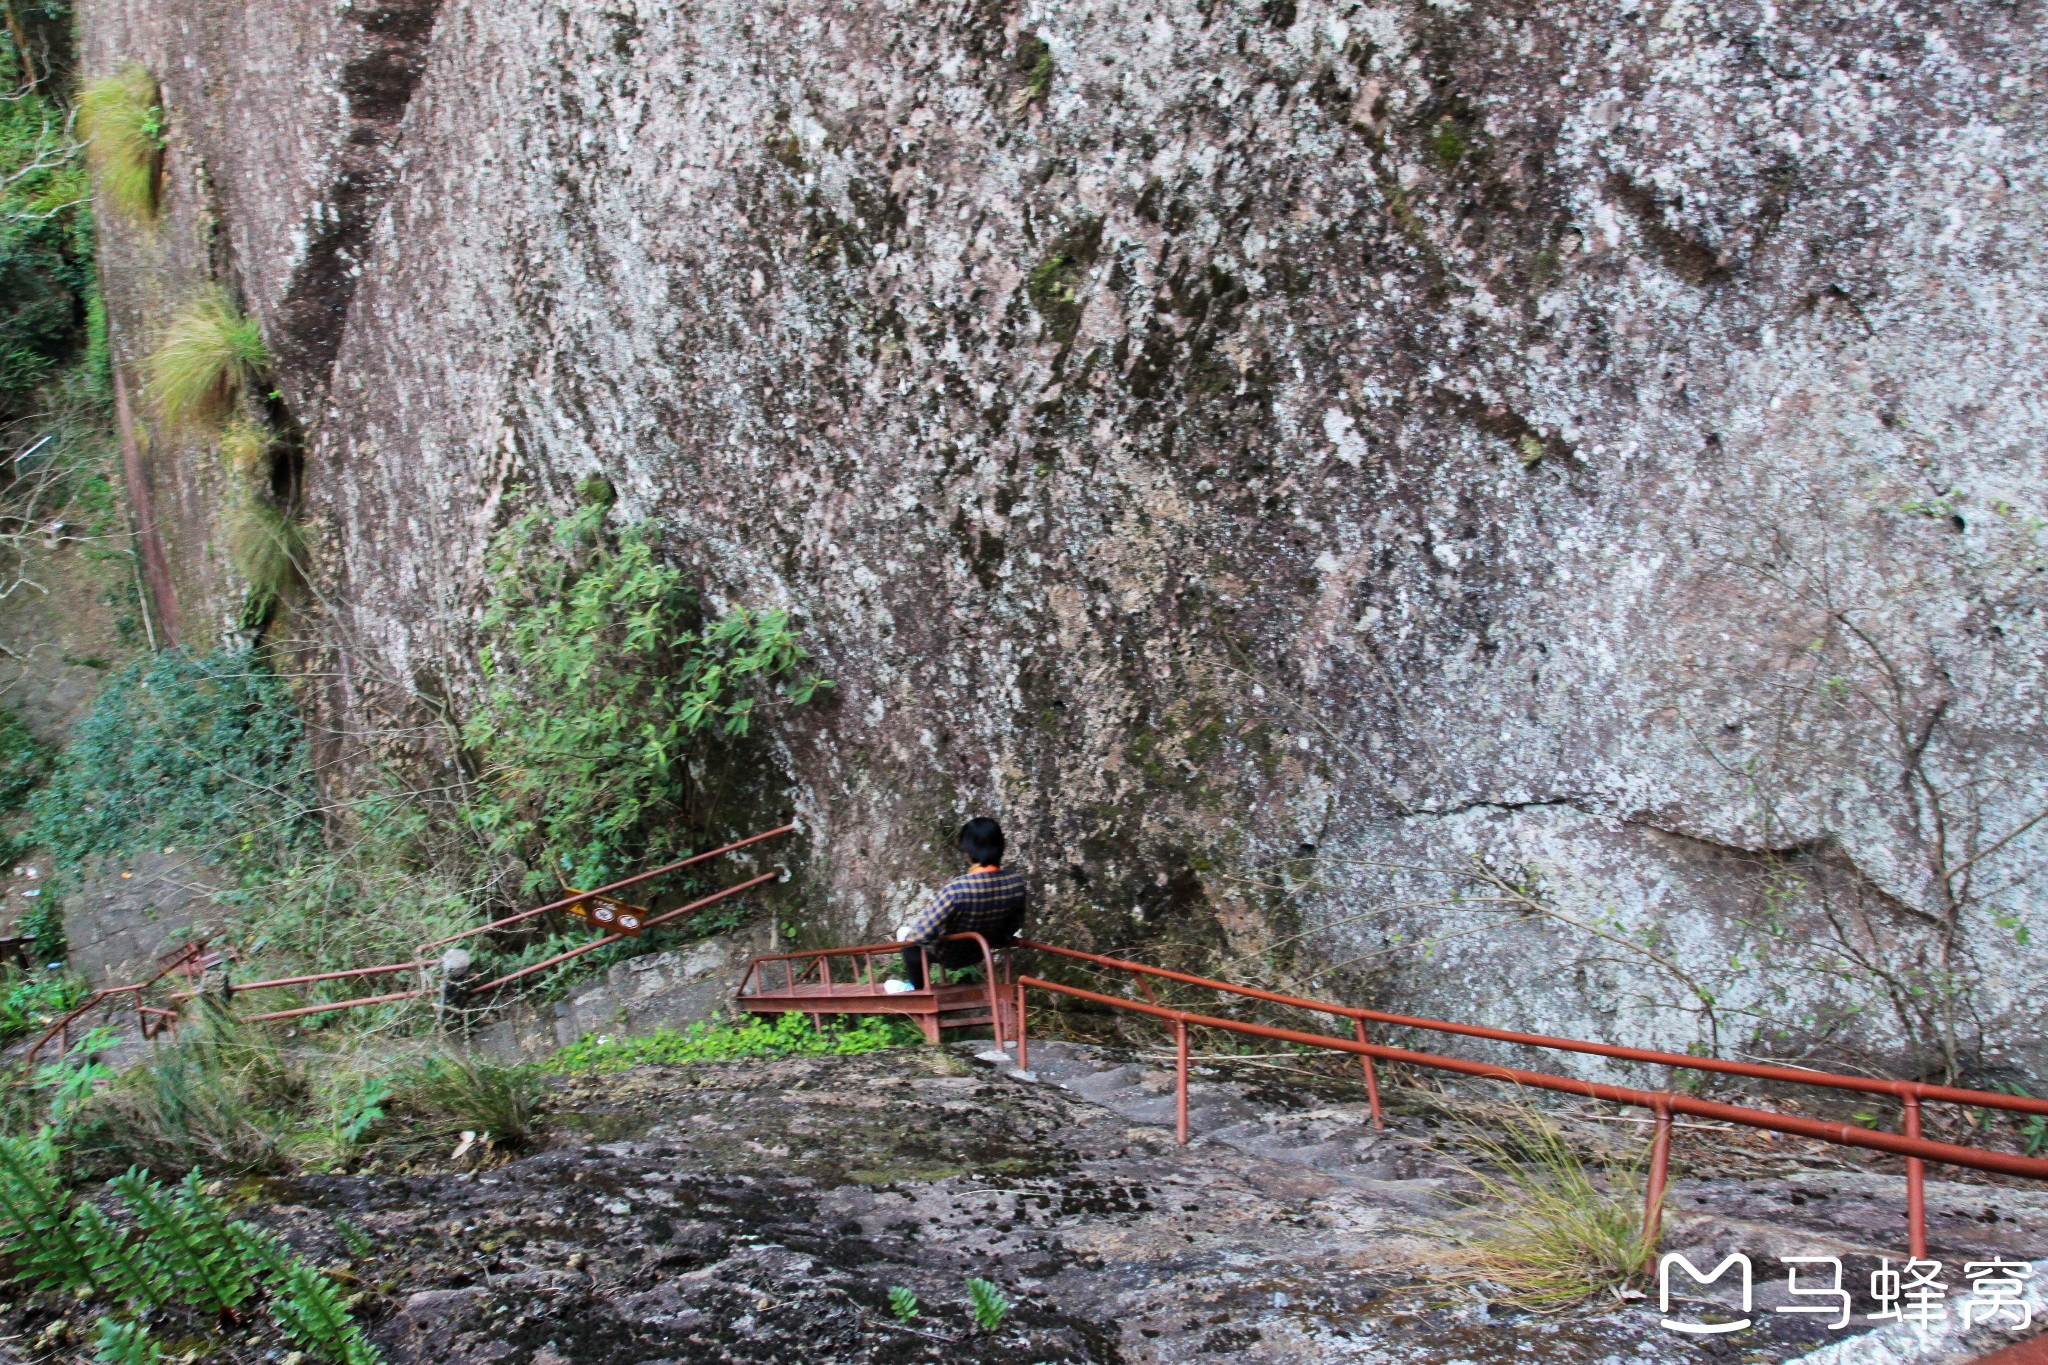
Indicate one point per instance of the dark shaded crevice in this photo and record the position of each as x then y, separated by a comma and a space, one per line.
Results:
1685, 255
379, 82
1583, 804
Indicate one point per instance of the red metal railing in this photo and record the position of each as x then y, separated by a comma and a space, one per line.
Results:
597, 943
153, 1020
1662, 1104
144, 1014
753, 982
424, 959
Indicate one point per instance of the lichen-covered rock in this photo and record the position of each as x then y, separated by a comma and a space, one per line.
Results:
762, 1211
1274, 454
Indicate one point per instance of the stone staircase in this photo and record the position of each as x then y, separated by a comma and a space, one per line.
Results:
1336, 1139
1831, 1209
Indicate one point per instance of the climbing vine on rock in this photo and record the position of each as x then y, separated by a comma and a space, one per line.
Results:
606, 687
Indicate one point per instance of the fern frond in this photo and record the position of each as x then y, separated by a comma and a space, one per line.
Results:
35, 1227
187, 1239
126, 1343
310, 1308
120, 1267
263, 1254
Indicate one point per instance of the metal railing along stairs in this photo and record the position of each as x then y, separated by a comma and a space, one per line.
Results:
804, 982
192, 960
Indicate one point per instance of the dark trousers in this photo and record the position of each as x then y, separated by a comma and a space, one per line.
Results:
951, 956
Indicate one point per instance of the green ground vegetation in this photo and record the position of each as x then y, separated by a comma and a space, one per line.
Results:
1553, 1227
56, 496
172, 1252
788, 1035
610, 700
102, 1193
31, 999
46, 273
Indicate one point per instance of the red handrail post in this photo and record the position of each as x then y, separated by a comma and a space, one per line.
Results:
1180, 1087
1660, 1166
1023, 1046
995, 1006
1916, 1186
1372, 1081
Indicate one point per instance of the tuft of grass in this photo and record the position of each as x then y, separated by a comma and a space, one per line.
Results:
791, 1035
243, 446
1551, 1233
222, 1096
211, 354
267, 549
121, 117
1448, 142
988, 1303
1034, 67
445, 1096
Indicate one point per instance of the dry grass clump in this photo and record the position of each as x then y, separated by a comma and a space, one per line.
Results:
266, 547
209, 357
1551, 1232
122, 121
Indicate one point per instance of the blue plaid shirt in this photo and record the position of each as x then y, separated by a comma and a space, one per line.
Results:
974, 903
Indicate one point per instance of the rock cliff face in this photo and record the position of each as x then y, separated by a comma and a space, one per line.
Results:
1274, 454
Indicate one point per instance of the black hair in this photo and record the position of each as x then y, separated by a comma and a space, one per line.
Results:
981, 839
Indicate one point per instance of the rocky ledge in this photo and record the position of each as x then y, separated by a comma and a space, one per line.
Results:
762, 1211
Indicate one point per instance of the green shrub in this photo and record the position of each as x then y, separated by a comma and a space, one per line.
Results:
204, 754
399, 868
602, 689
122, 119
790, 1035
210, 355
23, 761
46, 271
43, 926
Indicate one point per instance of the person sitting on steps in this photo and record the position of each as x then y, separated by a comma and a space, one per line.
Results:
988, 899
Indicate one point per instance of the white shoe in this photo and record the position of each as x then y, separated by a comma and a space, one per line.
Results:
897, 988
